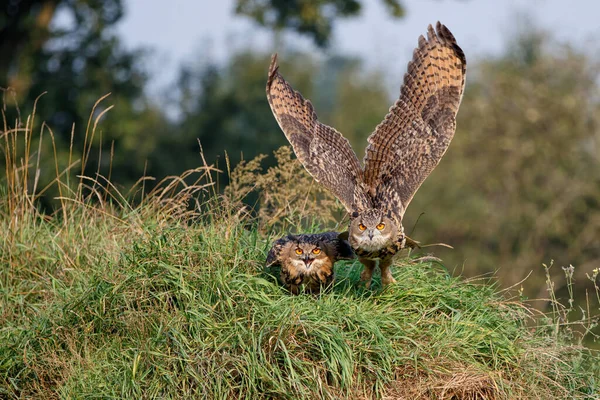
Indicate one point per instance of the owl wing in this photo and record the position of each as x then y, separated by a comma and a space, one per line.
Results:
323, 151
273, 258
337, 247
408, 144
344, 251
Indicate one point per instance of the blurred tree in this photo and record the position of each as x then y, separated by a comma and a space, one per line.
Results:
314, 18
358, 100
28, 30
227, 109
24, 28
68, 49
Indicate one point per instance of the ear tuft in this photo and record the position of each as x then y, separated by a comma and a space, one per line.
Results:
389, 214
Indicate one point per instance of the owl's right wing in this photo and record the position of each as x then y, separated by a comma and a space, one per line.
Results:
338, 245
344, 250
323, 151
413, 137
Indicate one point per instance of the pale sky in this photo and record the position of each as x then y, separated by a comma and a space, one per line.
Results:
197, 30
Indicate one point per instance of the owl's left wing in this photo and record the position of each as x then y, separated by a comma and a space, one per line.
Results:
415, 134
275, 252
323, 151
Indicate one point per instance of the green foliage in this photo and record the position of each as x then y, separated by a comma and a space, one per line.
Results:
313, 18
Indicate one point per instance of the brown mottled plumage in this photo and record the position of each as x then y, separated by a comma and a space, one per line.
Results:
308, 259
403, 150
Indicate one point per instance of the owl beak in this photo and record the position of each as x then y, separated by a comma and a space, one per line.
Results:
308, 261
371, 234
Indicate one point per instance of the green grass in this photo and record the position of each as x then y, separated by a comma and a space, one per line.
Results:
158, 302
169, 299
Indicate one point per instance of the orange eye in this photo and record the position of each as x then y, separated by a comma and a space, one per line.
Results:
316, 251
362, 227
299, 251
380, 226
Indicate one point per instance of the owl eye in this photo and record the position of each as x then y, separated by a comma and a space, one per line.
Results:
316, 251
380, 226
362, 227
299, 251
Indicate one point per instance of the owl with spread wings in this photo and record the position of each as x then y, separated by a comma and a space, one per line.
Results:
402, 151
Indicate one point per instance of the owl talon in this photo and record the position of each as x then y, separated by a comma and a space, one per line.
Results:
365, 278
386, 273
367, 273
388, 280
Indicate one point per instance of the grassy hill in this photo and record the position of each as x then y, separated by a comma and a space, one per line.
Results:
110, 301
167, 297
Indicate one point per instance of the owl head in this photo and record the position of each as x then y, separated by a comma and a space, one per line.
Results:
307, 256
373, 229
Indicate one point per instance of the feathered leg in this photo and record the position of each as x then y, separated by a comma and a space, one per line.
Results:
367, 273
386, 272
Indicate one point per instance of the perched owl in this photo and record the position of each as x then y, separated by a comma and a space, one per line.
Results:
402, 151
308, 259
